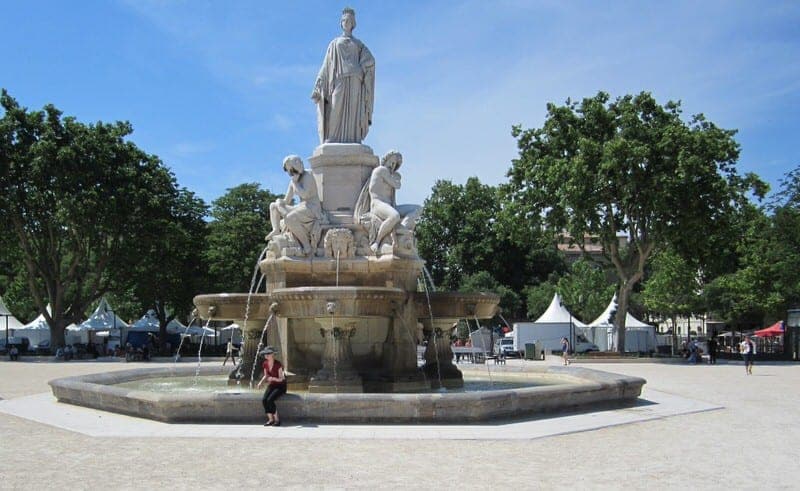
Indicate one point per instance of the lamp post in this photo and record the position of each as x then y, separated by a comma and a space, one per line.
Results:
792, 334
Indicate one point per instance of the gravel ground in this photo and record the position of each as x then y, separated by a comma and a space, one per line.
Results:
746, 445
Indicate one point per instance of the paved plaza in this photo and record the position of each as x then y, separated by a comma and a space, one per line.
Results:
696, 426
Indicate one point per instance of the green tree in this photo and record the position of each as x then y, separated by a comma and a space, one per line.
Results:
170, 279
599, 168
585, 290
539, 296
672, 288
454, 232
240, 222
765, 280
460, 234
79, 200
510, 301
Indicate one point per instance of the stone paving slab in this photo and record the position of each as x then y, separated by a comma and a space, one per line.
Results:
43, 408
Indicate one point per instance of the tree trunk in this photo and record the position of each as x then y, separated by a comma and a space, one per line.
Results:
57, 335
623, 299
674, 334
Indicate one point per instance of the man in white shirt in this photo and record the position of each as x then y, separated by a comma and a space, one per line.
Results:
748, 349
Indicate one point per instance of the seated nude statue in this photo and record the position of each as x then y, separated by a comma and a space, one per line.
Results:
377, 203
301, 219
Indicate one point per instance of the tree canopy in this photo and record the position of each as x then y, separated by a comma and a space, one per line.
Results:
240, 221
80, 200
598, 169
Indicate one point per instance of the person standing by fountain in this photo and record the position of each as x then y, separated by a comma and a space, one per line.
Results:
276, 385
230, 353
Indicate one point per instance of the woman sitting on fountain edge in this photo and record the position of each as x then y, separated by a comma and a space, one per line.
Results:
276, 385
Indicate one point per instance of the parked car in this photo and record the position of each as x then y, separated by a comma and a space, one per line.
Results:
504, 346
43, 348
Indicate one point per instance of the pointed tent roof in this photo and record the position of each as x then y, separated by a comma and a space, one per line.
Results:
605, 320
556, 313
39, 322
175, 326
13, 322
102, 319
148, 322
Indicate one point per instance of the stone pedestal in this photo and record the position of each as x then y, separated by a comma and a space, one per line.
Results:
341, 170
337, 373
401, 373
439, 367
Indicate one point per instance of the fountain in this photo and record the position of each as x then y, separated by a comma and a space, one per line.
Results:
341, 303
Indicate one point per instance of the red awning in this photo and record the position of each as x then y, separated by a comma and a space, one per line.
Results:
771, 331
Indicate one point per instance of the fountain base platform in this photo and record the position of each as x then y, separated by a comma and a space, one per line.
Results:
576, 388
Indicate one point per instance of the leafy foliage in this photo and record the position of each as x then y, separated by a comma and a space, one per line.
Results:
464, 244
585, 290
672, 288
236, 236
538, 298
80, 200
599, 168
510, 301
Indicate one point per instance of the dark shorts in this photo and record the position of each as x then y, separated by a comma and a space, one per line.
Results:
748, 358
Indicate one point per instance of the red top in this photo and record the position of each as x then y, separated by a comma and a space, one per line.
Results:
276, 366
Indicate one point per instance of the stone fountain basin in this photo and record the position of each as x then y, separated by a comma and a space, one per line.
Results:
353, 301
232, 306
453, 306
344, 301
583, 389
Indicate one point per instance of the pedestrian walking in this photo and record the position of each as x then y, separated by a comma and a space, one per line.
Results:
712, 351
748, 349
565, 348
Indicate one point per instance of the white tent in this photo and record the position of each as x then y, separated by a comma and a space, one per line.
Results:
638, 335
147, 323
556, 313
7, 319
175, 327
231, 331
37, 330
103, 319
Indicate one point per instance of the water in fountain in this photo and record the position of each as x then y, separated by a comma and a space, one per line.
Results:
427, 274
200, 349
435, 344
183, 336
260, 345
250, 292
483, 342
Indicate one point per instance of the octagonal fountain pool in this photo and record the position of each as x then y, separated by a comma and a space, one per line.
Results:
176, 395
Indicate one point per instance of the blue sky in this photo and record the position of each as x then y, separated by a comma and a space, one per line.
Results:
220, 90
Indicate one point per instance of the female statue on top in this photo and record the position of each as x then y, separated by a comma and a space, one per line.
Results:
345, 87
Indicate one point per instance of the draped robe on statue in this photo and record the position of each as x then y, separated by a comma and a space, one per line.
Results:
345, 86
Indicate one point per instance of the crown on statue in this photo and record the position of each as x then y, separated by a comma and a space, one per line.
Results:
348, 11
